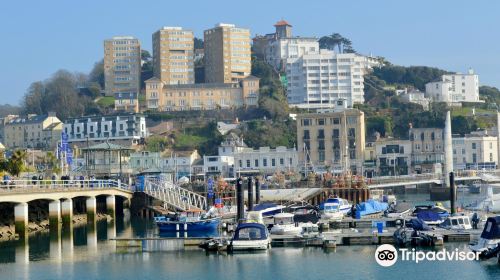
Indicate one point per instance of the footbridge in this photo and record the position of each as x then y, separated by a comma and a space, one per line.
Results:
61, 194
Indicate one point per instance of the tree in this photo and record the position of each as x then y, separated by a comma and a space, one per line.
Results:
96, 75
198, 43
58, 94
335, 40
15, 165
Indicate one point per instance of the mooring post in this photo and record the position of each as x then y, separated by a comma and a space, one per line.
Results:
240, 200
453, 193
257, 191
250, 194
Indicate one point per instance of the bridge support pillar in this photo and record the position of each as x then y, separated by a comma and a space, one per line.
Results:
91, 206
110, 206
67, 213
21, 220
55, 216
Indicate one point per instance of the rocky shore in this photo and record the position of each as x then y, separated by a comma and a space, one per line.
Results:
7, 230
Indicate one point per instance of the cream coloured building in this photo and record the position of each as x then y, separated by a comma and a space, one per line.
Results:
122, 72
33, 132
477, 150
227, 53
331, 140
207, 96
173, 53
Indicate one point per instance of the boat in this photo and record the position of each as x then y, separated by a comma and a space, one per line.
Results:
285, 225
370, 207
490, 237
268, 209
250, 236
431, 214
475, 188
305, 214
331, 212
490, 202
343, 205
456, 223
398, 210
215, 245
186, 223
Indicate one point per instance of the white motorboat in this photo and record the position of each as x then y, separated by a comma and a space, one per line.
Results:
456, 223
285, 225
250, 236
334, 209
490, 237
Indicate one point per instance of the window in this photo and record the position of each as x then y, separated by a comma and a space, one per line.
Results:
282, 161
321, 121
273, 162
473, 146
335, 121
248, 163
336, 133
264, 162
240, 163
306, 134
321, 134
321, 156
352, 132
306, 122
321, 145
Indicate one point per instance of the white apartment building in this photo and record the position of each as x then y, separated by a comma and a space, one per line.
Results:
278, 51
454, 88
477, 150
317, 80
265, 160
126, 129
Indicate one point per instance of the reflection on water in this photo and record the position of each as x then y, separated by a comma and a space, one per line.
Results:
87, 253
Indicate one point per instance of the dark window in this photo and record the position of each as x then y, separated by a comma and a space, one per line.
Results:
306, 134
321, 121
321, 134
273, 162
336, 144
321, 145
256, 163
264, 162
336, 133
321, 156
352, 132
282, 161
248, 163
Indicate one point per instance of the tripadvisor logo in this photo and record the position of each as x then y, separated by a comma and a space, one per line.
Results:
386, 255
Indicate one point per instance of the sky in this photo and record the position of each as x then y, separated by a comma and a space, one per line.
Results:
40, 37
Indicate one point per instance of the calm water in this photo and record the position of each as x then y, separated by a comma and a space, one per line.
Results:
88, 254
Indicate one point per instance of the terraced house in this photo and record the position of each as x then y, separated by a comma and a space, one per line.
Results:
33, 132
208, 96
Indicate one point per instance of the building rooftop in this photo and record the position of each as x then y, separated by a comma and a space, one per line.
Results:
106, 146
282, 23
30, 119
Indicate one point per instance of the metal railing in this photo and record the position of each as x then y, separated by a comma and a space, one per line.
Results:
27, 186
174, 196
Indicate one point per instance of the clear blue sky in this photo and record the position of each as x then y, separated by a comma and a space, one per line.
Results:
40, 37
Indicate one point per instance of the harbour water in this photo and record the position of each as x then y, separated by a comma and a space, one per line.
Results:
89, 254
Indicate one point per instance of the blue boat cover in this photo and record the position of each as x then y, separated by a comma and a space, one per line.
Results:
250, 231
491, 228
263, 206
428, 215
370, 207
418, 224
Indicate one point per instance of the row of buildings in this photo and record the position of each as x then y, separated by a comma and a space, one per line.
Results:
227, 65
330, 140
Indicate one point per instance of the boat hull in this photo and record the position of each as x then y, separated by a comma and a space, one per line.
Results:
204, 225
242, 245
